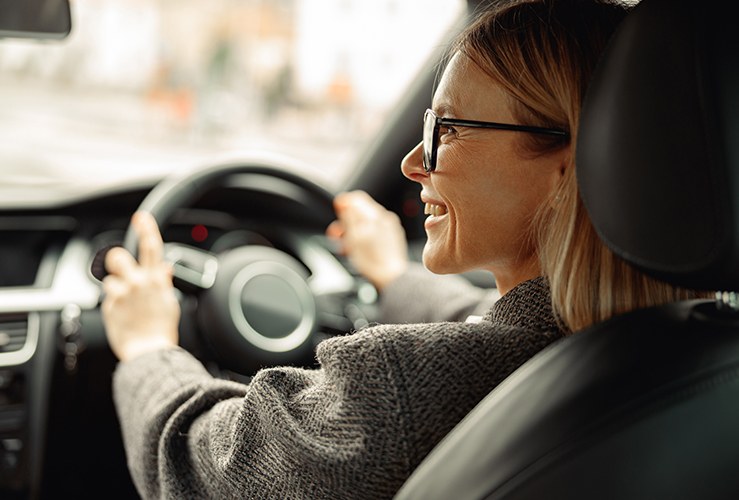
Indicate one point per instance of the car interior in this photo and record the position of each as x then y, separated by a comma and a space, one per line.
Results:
640, 406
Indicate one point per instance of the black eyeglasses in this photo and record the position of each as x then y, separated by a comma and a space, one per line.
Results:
432, 123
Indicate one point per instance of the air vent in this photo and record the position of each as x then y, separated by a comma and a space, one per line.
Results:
18, 337
13, 332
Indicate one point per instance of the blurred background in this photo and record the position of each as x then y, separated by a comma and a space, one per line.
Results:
142, 87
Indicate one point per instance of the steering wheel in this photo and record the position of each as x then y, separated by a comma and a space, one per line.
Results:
256, 305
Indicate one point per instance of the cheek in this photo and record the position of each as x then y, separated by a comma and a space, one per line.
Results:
490, 188
500, 205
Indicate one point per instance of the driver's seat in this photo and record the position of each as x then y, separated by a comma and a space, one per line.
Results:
645, 405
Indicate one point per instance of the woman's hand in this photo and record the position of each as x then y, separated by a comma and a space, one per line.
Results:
371, 236
140, 310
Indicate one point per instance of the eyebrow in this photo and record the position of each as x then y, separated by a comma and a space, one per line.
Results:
444, 109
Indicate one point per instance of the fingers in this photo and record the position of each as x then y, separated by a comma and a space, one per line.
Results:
353, 199
341, 200
335, 230
356, 207
114, 288
150, 239
371, 236
119, 261
349, 217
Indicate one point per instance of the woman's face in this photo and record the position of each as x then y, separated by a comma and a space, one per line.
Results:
485, 190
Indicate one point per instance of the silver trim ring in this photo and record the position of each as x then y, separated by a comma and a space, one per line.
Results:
298, 284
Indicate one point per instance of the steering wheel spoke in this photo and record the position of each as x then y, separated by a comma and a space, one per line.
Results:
191, 267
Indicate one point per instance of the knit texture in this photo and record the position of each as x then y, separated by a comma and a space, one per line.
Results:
419, 296
353, 429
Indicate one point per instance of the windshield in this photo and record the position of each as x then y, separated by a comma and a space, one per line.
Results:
141, 88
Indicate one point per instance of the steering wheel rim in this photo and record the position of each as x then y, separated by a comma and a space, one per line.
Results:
176, 191
248, 327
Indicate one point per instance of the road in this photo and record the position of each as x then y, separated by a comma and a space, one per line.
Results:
57, 140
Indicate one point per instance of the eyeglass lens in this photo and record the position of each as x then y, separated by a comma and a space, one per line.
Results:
429, 133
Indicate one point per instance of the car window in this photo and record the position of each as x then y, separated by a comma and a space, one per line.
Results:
144, 87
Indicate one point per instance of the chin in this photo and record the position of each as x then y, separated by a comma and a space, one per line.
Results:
438, 264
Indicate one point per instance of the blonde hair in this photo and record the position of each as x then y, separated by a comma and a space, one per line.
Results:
543, 53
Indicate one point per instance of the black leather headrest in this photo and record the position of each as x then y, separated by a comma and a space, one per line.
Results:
658, 147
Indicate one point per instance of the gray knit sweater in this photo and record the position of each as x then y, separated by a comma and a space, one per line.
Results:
353, 429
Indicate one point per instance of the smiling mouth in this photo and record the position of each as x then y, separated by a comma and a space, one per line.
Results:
434, 210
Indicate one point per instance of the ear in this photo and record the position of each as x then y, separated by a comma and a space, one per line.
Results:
563, 160
559, 175
566, 160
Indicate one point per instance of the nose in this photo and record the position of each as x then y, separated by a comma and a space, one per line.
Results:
412, 164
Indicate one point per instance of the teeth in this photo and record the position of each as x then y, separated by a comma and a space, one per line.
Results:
434, 210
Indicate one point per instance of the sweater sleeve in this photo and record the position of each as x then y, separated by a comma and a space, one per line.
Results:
291, 433
155, 396
419, 296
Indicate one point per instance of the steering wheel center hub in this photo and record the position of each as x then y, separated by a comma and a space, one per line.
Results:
271, 306
260, 310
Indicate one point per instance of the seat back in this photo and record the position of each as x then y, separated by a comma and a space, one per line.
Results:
644, 405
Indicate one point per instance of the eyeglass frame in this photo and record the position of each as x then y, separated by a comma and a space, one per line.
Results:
429, 157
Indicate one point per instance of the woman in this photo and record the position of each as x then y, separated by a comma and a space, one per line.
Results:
383, 397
